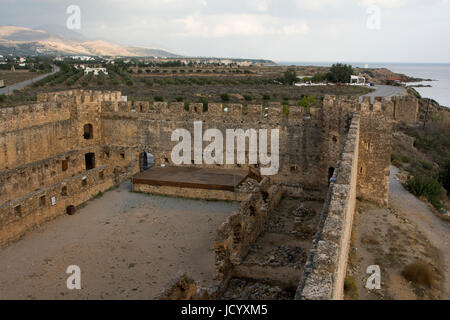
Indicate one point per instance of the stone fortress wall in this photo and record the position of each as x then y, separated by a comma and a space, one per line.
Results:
325, 269
71, 145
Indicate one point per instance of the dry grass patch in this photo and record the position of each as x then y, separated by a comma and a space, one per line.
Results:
419, 273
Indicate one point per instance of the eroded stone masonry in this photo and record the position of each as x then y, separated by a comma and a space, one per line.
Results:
60, 152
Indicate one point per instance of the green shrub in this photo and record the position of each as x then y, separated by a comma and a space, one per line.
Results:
225, 97
289, 77
307, 101
179, 99
350, 288
286, 110
400, 158
427, 187
340, 73
426, 165
266, 97
248, 97
2, 97
159, 99
101, 78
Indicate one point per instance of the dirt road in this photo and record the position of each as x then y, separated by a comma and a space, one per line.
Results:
434, 228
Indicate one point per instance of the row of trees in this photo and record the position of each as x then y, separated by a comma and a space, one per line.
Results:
339, 73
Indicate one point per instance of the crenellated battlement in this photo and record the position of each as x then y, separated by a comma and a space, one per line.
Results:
80, 96
179, 111
16, 118
381, 107
400, 108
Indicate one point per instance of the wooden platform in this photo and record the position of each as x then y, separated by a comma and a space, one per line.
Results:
195, 178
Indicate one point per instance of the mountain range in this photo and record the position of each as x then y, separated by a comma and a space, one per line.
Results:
57, 40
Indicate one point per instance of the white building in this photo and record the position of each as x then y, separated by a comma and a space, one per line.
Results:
96, 71
82, 58
357, 81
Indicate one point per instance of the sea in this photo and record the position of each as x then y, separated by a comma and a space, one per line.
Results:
438, 72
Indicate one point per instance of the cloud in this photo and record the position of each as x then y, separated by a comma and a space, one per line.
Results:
279, 29
384, 3
225, 25
258, 5
315, 5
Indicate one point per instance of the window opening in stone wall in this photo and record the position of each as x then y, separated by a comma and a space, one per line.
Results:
89, 160
88, 131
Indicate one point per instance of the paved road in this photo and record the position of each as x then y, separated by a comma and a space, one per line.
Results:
385, 91
10, 89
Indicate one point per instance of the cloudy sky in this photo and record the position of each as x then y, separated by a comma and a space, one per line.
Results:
282, 30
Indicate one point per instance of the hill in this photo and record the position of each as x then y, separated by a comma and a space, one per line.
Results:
55, 40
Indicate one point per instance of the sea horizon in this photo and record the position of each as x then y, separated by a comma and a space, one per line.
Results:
438, 72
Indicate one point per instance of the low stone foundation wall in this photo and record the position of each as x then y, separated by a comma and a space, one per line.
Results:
325, 269
190, 193
243, 227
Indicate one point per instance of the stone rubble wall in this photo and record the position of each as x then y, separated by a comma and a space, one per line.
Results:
191, 193
183, 287
242, 228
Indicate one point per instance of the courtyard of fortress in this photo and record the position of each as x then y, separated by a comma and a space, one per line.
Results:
75, 189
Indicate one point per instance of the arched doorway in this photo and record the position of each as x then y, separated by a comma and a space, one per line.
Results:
147, 161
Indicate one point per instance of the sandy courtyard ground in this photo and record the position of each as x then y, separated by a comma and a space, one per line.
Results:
127, 245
